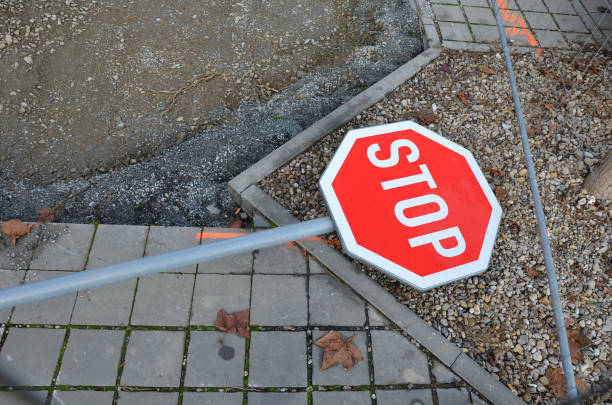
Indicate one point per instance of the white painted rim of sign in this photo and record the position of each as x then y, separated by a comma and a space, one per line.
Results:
346, 235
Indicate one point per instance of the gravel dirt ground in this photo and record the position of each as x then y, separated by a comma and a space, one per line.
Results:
503, 318
140, 112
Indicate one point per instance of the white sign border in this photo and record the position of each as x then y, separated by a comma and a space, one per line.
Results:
346, 235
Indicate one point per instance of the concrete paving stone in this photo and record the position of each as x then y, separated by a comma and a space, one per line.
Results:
475, 3
32, 354
448, 13
446, 1
277, 398
604, 20
63, 247
106, 305
23, 398
18, 257
164, 239
403, 397
341, 398
214, 292
442, 374
117, 243
212, 398
88, 397
214, 364
397, 360
455, 31
485, 33
147, 398
520, 38
277, 359
358, 375
532, 5
236, 264
512, 19
284, 259
316, 267
153, 358
577, 40
479, 15
453, 396
332, 303
550, 39
432, 36
540, 20
560, 6
91, 357
53, 311
9, 278
163, 299
375, 318
571, 23
260, 221
279, 300
597, 5
476, 400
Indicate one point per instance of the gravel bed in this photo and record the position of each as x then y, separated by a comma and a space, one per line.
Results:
503, 318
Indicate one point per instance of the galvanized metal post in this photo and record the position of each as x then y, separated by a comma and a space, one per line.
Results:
566, 360
87, 279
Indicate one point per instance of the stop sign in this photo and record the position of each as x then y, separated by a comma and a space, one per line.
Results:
412, 204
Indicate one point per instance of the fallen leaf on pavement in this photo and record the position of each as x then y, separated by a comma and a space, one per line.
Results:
462, 97
576, 340
444, 68
549, 106
486, 69
238, 322
235, 224
532, 272
46, 215
501, 193
495, 172
15, 229
338, 351
427, 118
557, 383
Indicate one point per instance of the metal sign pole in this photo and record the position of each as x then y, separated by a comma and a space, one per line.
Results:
566, 360
87, 279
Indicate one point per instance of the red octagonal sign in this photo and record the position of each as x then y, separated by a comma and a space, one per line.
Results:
412, 204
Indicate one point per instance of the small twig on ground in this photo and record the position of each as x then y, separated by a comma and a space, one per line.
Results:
204, 77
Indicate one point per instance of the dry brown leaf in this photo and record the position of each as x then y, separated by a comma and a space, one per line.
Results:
530, 131
549, 106
576, 342
15, 229
235, 224
495, 172
338, 351
462, 97
46, 215
427, 118
501, 193
486, 69
238, 322
532, 272
557, 383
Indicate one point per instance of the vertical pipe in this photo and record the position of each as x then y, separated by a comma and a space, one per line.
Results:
566, 360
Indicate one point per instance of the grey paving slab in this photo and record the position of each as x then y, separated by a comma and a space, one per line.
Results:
510, 4
341, 398
315, 267
540, 20
560, 6
485, 33
163, 299
32, 354
455, 31
236, 264
442, 374
62, 247
21, 398
479, 15
18, 257
477, 3
164, 239
9, 278
54, 311
403, 397
453, 396
532, 5
375, 318
519, 38
88, 397
107, 305
147, 398
212, 398
604, 20
277, 398
596, 5
284, 259
571, 23
279, 300
337, 375
512, 18
214, 292
446, 1
214, 364
448, 13
91, 357
117, 243
578, 39
332, 303
277, 359
153, 359
550, 39
397, 360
